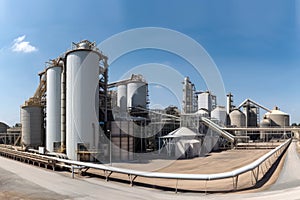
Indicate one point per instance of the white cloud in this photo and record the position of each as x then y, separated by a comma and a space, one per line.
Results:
19, 45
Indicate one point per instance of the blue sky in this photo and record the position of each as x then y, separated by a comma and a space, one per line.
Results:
254, 43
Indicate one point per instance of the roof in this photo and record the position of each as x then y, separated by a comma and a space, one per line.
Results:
181, 132
276, 112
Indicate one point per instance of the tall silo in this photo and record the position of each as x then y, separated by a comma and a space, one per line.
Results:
53, 107
32, 125
82, 101
122, 97
220, 113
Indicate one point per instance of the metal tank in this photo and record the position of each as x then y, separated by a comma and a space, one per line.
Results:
220, 113
265, 123
202, 112
82, 101
32, 125
137, 94
278, 118
251, 115
122, 97
237, 118
53, 108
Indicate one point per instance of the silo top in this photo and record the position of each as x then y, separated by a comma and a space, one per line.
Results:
202, 111
236, 112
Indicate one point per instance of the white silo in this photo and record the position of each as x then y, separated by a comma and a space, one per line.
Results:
237, 118
220, 113
53, 107
137, 91
278, 118
122, 97
82, 100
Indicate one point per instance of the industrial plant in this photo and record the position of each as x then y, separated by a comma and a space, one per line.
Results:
77, 113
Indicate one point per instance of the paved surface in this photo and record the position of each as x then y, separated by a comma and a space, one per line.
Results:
22, 181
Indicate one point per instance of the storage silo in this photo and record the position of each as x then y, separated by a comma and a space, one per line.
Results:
137, 94
237, 118
220, 113
278, 118
53, 108
265, 123
122, 97
32, 125
82, 101
251, 115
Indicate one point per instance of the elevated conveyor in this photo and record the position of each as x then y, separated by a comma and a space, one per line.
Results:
218, 129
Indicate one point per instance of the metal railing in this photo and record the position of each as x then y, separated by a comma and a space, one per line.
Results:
133, 174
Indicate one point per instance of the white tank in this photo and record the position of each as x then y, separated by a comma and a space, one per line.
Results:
82, 101
278, 118
237, 118
32, 126
220, 113
122, 98
202, 112
137, 94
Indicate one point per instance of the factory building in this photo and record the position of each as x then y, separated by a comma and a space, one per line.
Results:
77, 112
189, 102
207, 101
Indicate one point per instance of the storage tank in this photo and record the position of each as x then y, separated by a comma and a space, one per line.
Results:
278, 118
122, 97
237, 118
137, 94
32, 125
82, 101
265, 123
220, 113
251, 115
202, 112
53, 108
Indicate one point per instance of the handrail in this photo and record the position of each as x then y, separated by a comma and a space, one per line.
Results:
216, 176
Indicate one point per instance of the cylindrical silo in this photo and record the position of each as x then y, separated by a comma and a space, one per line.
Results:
278, 118
53, 108
220, 113
237, 118
251, 115
137, 94
265, 123
32, 125
122, 97
82, 101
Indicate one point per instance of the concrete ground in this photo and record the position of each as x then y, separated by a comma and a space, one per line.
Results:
22, 181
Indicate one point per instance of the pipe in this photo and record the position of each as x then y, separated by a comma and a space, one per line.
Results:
63, 106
